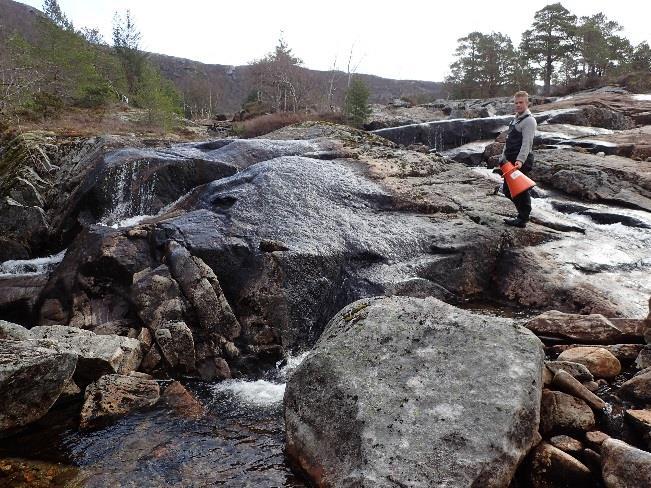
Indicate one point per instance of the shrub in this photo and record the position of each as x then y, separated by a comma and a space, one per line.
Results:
43, 105
356, 106
93, 96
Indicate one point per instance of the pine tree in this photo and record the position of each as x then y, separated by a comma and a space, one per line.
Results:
599, 47
53, 11
549, 40
465, 70
356, 105
126, 43
641, 57
487, 65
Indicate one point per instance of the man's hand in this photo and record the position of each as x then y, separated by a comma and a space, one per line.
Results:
518, 164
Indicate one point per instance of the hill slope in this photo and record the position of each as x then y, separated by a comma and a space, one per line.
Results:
229, 85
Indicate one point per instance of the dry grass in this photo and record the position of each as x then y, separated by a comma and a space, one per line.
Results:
123, 120
117, 119
265, 124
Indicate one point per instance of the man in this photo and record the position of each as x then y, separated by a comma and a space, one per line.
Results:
518, 150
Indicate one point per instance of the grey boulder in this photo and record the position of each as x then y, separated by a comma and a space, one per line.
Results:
98, 354
32, 376
414, 392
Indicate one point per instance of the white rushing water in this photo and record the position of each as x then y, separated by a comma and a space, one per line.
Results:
131, 197
644, 97
262, 392
31, 266
128, 222
612, 257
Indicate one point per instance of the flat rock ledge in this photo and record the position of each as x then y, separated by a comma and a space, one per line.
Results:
413, 392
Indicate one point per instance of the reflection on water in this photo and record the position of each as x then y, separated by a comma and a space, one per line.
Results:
238, 443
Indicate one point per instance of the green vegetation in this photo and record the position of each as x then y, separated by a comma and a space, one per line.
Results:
356, 104
487, 66
64, 67
560, 49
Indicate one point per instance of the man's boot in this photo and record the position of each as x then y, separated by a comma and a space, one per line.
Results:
516, 222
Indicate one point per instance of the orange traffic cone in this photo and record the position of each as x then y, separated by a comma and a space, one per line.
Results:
516, 180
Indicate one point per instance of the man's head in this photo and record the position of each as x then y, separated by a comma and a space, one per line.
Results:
521, 101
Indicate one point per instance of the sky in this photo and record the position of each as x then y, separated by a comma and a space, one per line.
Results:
402, 40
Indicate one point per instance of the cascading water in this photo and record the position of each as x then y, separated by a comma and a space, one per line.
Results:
31, 266
130, 194
238, 442
434, 137
612, 254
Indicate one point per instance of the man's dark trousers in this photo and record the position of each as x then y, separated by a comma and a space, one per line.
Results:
523, 201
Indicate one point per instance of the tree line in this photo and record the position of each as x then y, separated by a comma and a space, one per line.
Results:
62, 66
560, 49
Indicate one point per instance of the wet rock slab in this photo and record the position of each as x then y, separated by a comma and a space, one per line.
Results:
612, 179
414, 392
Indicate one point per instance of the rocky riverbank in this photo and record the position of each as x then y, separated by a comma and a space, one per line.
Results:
127, 264
415, 392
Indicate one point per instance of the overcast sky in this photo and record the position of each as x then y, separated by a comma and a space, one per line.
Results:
405, 39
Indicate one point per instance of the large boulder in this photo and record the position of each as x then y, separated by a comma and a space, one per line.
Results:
414, 392
342, 237
116, 395
33, 373
625, 466
594, 328
98, 354
92, 284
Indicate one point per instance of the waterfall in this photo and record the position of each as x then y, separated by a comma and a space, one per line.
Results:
31, 266
131, 193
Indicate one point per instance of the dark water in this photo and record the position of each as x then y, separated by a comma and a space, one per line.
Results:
238, 443
497, 308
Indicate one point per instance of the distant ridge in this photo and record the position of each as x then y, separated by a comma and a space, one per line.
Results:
229, 84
